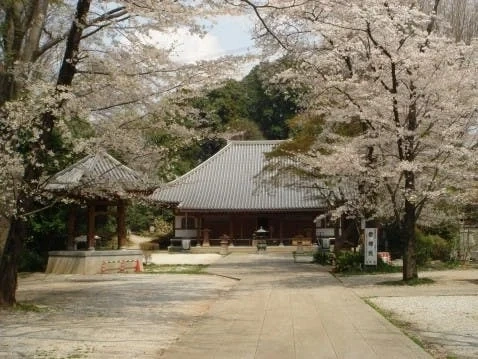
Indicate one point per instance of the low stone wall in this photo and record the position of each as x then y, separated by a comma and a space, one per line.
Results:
95, 262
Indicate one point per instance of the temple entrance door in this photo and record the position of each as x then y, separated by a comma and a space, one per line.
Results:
263, 222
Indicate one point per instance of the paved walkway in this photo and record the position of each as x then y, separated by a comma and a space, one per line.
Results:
281, 309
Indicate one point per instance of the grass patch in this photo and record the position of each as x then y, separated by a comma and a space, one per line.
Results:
383, 269
29, 307
175, 268
411, 282
440, 265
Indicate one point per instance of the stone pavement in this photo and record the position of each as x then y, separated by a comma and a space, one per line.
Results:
281, 309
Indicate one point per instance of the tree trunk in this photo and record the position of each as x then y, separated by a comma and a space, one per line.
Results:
408, 235
9, 262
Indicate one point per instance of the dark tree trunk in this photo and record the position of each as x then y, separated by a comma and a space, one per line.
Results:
7, 87
409, 243
9, 262
70, 59
410, 216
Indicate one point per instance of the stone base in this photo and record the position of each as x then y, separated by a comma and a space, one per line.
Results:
95, 262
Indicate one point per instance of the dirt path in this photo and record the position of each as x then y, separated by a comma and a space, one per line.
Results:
134, 240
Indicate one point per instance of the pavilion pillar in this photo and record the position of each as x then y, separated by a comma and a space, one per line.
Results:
121, 224
70, 245
90, 237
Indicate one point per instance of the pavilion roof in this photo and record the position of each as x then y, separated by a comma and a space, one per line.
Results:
233, 180
98, 175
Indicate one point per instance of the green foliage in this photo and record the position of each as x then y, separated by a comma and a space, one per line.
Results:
433, 242
140, 217
175, 268
163, 227
447, 231
249, 100
411, 282
29, 307
350, 129
249, 109
195, 153
51, 221
80, 128
324, 258
432, 247
304, 129
32, 261
249, 129
347, 261
270, 107
46, 231
383, 267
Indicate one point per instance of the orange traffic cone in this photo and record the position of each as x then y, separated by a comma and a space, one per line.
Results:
138, 266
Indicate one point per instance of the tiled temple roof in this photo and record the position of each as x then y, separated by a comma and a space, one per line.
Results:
231, 181
97, 172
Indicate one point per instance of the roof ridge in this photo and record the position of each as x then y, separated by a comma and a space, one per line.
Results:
253, 142
93, 163
116, 164
73, 165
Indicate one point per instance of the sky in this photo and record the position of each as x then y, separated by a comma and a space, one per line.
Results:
230, 35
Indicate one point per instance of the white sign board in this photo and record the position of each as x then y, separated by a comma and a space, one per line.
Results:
370, 246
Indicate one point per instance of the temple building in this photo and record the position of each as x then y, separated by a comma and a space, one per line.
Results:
230, 195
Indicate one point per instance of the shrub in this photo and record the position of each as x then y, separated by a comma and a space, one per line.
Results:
383, 267
324, 258
32, 261
353, 262
347, 261
163, 227
431, 247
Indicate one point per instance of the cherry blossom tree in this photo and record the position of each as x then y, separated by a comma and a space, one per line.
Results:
62, 62
389, 71
461, 16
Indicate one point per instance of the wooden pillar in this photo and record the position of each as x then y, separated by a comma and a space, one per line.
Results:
205, 240
70, 245
231, 227
199, 231
241, 234
91, 226
121, 224
281, 236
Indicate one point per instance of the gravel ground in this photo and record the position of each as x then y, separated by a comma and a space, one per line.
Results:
105, 316
447, 322
443, 315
